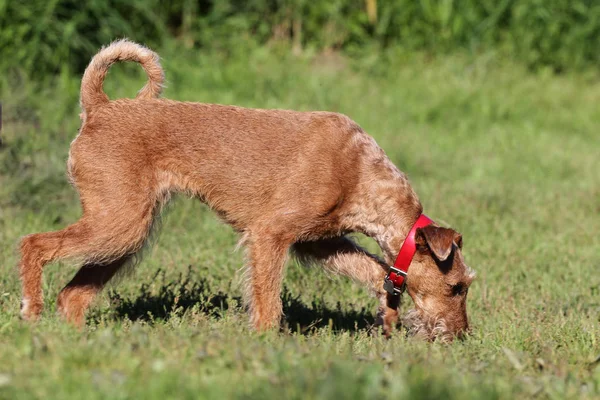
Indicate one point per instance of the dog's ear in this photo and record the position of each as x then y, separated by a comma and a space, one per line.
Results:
458, 239
439, 240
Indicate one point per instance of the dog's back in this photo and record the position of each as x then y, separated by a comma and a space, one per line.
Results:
225, 155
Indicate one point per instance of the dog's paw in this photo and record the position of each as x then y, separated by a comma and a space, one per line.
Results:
30, 310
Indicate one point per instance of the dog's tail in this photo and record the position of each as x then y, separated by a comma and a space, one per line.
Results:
92, 94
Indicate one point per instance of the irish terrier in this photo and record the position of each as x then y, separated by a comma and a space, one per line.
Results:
282, 179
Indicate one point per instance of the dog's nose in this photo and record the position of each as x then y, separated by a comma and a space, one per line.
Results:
463, 332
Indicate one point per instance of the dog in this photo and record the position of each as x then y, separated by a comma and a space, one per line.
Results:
289, 182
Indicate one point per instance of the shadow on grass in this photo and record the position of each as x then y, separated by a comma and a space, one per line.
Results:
176, 296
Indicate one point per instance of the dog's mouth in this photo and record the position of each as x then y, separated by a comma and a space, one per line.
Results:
429, 329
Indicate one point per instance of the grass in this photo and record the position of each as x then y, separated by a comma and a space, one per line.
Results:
507, 157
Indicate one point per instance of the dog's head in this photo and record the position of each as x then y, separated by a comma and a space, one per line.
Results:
438, 282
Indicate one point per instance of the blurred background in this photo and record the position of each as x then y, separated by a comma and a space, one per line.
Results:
44, 37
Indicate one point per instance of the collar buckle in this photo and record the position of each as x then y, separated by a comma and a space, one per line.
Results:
389, 283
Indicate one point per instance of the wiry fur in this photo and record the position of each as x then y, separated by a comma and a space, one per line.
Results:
92, 94
425, 328
280, 178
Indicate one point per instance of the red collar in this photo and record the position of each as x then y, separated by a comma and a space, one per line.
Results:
394, 281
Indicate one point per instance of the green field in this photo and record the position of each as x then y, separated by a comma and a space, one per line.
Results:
507, 157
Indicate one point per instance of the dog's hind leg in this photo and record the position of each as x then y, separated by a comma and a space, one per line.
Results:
78, 294
341, 255
111, 229
36, 251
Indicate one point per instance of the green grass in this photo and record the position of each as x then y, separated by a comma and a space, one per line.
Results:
508, 158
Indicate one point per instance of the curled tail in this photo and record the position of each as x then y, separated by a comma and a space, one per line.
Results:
92, 94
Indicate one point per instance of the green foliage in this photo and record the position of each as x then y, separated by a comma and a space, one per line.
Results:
556, 33
46, 36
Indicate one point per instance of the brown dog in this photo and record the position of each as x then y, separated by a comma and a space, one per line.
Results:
283, 179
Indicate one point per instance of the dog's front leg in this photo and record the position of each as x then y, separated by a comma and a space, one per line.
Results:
341, 255
387, 316
267, 255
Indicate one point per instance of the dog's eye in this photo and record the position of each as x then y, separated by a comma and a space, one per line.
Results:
458, 289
